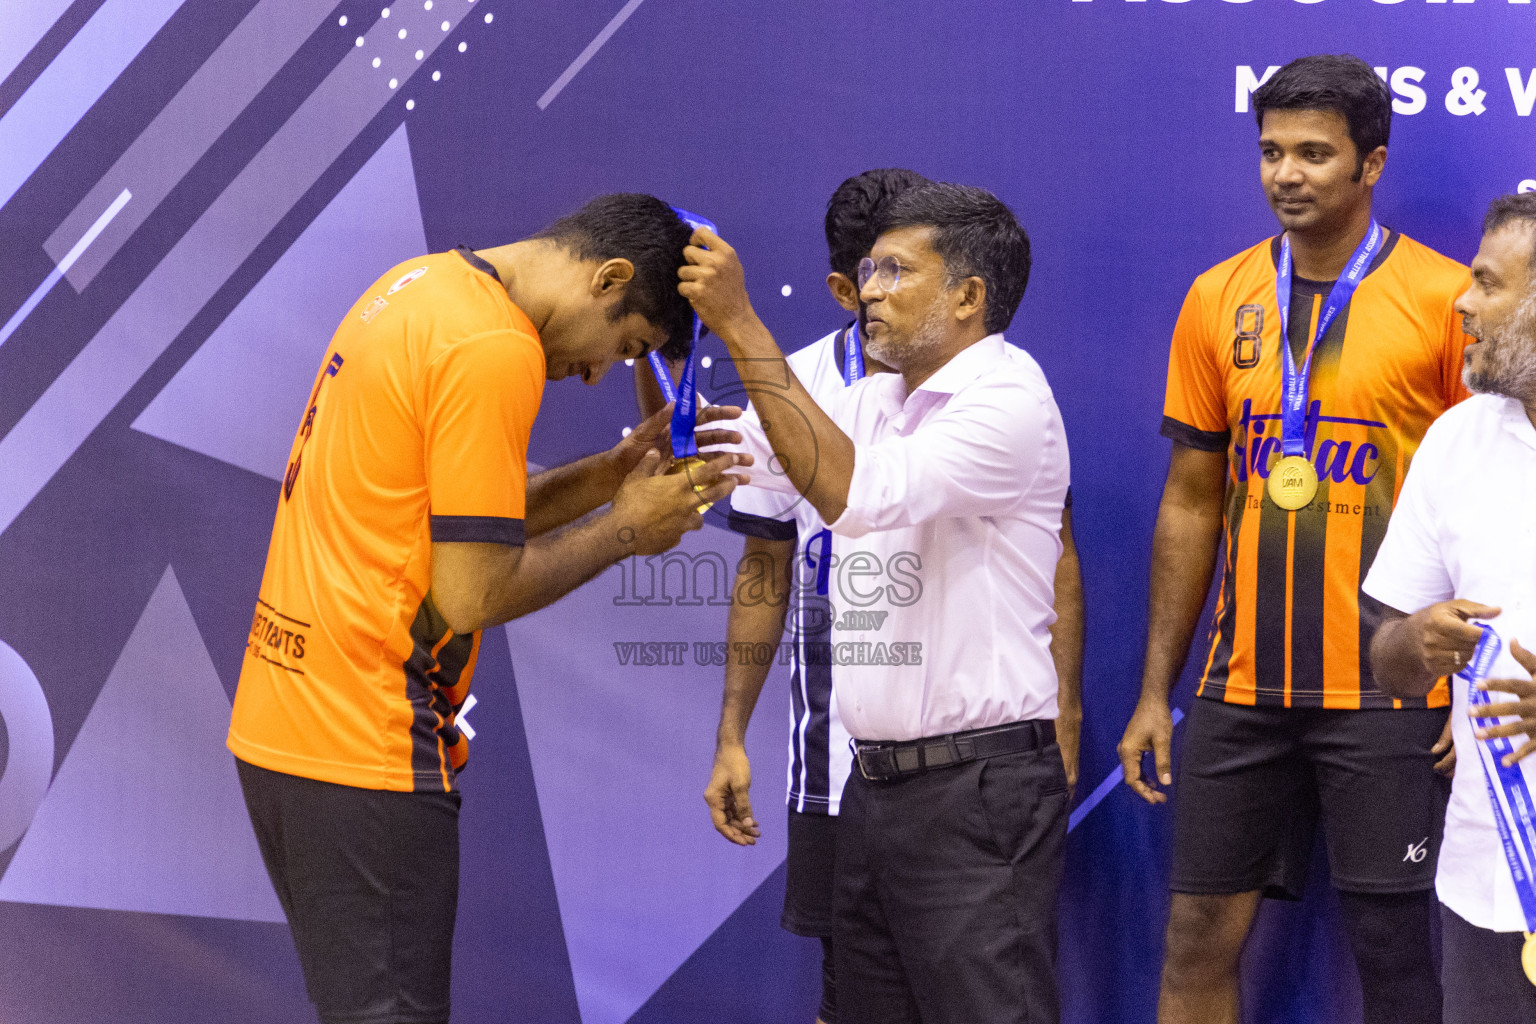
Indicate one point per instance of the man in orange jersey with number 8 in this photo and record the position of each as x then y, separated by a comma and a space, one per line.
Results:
1303, 374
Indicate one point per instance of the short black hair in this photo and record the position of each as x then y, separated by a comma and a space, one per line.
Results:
1340, 82
854, 212
648, 233
976, 235
1507, 210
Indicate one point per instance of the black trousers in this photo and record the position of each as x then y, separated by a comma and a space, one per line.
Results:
946, 893
1481, 973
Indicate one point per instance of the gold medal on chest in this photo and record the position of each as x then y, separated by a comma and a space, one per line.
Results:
1528, 957
1292, 483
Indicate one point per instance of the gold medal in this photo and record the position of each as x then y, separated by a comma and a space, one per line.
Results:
1528, 957
1292, 483
687, 464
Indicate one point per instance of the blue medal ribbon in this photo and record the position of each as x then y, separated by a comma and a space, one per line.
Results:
853, 355
685, 409
1515, 816
1293, 385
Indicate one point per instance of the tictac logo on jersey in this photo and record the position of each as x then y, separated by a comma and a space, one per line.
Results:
1258, 446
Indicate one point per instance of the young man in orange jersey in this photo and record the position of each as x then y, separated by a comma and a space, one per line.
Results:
406, 525
1359, 322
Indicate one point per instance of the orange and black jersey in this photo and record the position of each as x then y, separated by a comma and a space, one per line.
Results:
1289, 628
416, 431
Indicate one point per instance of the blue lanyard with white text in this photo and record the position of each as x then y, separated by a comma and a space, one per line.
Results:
1293, 386
685, 410
853, 370
1516, 816
853, 355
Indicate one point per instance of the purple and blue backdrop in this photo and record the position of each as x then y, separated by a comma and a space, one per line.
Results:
192, 192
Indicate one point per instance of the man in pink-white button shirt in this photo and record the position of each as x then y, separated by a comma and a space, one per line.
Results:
943, 484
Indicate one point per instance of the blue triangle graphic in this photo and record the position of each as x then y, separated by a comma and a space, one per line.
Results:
641, 876
145, 813
240, 398
773, 975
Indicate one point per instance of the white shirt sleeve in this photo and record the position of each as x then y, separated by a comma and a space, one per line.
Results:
770, 495
978, 456
1409, 571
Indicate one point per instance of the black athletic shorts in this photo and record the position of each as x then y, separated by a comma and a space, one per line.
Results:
808, 895
1253, 782
808, 875
369, 880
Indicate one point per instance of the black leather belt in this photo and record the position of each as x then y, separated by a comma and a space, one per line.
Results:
889, 760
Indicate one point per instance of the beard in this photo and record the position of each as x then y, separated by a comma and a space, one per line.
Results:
1506, 363
924, 342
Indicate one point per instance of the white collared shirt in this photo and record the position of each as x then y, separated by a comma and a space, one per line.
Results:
944, 565
1464, 528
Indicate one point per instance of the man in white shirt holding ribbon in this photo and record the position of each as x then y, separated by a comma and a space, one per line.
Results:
943, 484
787, 542
1460, 555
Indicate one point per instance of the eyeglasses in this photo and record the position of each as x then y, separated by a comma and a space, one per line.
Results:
886, 273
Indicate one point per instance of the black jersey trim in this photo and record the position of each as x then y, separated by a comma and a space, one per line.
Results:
760, 526
1386, 250
1192, 437
478, 530
475, 261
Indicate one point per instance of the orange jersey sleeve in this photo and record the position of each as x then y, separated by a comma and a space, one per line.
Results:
480, 399
1194, 406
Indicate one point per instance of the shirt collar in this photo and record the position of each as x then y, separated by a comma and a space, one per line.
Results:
966, 365
1518, 423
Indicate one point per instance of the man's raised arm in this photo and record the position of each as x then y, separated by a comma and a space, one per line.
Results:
812, 451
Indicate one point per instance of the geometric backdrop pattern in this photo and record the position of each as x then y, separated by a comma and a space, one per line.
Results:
193, 191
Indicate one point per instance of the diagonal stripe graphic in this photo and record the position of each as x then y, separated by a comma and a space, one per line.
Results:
58, 272
73, 83
242, 394
215, 247
587, 54
22, 26
1105, 788
247, 59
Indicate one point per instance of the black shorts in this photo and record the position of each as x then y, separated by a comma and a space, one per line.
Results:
1481, 972
808, 875
1253, 782
369, 880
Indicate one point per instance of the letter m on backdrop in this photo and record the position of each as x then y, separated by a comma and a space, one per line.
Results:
1247, 82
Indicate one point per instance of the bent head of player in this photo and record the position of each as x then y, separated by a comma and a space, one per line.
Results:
948, 269
600, 285
1323, 127
1499, 309
854, 215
